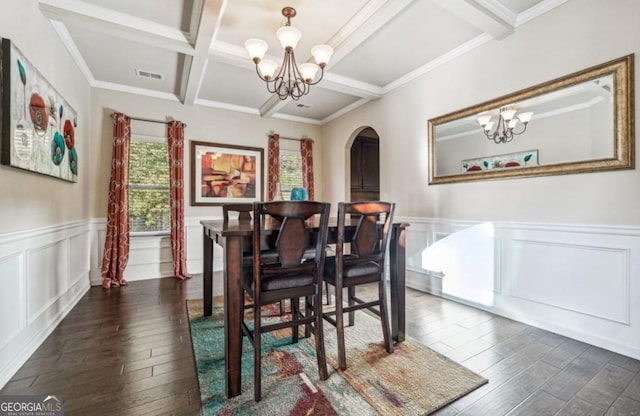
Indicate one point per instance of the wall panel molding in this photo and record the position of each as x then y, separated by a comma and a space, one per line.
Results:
572, 279
72, 255
12, 297
583, 268
44, 272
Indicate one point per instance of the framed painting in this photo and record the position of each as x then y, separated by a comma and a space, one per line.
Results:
38, 125
223, 173
506, 161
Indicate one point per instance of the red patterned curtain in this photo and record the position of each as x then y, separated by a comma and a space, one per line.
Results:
273, 155
116, 245
306, 155
176, 181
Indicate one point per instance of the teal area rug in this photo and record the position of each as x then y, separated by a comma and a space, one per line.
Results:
414, 380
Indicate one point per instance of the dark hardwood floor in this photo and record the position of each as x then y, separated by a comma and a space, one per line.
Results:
127, 351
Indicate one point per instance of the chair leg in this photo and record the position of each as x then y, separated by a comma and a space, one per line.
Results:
308, 311
328, 294
295, 312
382, 295
342, 357
351, 290
319, 335
257, 354
282, 308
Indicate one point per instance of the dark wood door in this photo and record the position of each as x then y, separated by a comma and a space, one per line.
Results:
365, 169
370, 165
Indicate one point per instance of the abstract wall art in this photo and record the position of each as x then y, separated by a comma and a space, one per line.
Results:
223, 173
38, 126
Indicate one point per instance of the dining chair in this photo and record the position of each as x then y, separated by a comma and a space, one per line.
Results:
244, 214
284, 226
359, 259
245, 211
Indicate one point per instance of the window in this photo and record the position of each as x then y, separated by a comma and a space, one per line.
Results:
290, 172
149, 209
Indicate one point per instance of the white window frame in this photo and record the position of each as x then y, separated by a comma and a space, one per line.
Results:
299, 155
152, 139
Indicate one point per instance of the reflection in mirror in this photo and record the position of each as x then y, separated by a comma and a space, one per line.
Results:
578, 123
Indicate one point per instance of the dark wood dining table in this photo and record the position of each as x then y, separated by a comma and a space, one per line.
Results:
233, 236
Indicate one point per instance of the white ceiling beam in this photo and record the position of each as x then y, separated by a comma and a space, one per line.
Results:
229, 54
272, 106
364, 24
208, 16
449, 56
194, 21
101, 19
350, 86
539, 9
490, 16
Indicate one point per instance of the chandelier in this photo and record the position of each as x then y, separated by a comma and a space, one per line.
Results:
290, 80
505, 128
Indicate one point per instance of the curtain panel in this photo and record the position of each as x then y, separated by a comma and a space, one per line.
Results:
273, 167
116, 245
176, 186
306, 156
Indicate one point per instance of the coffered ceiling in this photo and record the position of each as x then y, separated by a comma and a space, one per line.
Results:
193, 49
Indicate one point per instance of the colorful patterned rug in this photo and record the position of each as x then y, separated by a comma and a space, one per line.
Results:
414, 380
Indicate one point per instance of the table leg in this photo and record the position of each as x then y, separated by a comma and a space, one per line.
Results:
207, 274
232, 315
397, 253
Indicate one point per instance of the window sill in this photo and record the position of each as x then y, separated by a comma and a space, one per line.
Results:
150, 234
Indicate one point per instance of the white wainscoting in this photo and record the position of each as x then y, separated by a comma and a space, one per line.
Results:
150, 256
193, 235
575, 280
43, 274
578, 281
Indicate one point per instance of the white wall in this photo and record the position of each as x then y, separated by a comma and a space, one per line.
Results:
203, 124
564, 254
43, 200
52, 232
45, 231
150, 257
589, 220
555, 44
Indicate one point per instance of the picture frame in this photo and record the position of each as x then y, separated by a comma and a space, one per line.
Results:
38, 126
224, 173
513, 160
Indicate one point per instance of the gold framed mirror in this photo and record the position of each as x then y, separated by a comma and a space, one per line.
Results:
582, 122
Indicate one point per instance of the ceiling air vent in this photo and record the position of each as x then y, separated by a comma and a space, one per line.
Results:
148, 74
300, 105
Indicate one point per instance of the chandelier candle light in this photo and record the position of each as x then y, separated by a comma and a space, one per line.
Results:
505, 128
291, 80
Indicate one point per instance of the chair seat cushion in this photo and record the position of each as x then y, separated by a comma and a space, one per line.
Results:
350, 270
284, 281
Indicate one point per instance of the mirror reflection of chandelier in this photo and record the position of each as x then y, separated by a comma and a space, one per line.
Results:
291, 80
505, 127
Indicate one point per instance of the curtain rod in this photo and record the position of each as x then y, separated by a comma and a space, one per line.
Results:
291, 138
148, 120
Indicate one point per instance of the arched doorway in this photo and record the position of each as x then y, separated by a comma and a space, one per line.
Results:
365, 166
